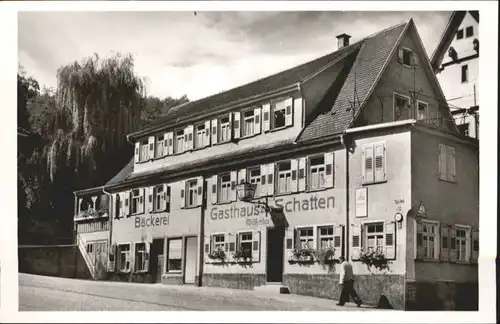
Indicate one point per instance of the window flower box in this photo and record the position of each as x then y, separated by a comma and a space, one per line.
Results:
217, 256
325, 256
242, 256
302, 256
374, 259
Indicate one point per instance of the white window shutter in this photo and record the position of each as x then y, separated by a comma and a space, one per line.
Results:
474, 245
231, 135
242, 175
390, 241
400, 54
137, 152
199, 190
183, 194
165, 144
206, 249
453, 244
380, 161
257, 120
122, 204
236, 125
142, 200
468, 245
191, 137
289, 112
263, 180
294, 165
151, 147
256, 246
302, 174
289, 237
367, 164
445, 242
356, 239
215, 131
213, 190
234, 176
149, 199
270, 179
338, 239
232, 247
450, 163
419, 241
207, 133
330, 170
266, 117
226, 243
442, 161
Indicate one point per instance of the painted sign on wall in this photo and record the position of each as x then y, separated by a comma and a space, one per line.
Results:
151, 221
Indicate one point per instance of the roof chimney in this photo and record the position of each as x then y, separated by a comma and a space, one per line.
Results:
343, 40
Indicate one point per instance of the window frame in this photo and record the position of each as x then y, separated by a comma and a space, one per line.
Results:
191, 190
327, 236
144, 253
197, 135
276, 176
213, 243
239, 240
468, 245
309, 238
243, 120
437, 239
135, 203
460, 34
219, 187
426, 112
365, 234
373, 145
309, 172
258, 180
157, 198
177, 138
272, 110
227, 128
144, 150
409, 52
159, 146
448, 176
167, 268
120, 252
466, 80
471, 28
407, 99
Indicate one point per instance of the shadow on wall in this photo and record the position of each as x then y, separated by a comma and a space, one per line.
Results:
53, 260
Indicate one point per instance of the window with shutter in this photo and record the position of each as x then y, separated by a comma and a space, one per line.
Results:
380, 174
356, 231
137, 152
256, 246
192, 193
174, 255
214, 182
367, 164
447, 164
445, 243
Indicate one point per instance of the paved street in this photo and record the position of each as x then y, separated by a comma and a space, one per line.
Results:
39, 293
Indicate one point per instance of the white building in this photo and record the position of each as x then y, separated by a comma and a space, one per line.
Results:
455, 62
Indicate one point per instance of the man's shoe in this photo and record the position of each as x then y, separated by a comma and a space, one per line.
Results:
339, 304
358, 303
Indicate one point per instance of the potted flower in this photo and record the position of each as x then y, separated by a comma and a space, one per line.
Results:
302, 255
242, 255
374, 259
218, 254
326, 255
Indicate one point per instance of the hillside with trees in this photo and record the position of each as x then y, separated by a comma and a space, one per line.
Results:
77, 138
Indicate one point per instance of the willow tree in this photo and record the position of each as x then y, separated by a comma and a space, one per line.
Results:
98, 102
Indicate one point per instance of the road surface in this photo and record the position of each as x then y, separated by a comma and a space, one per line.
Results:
40, 293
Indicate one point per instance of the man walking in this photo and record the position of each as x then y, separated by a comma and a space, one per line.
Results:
346, 283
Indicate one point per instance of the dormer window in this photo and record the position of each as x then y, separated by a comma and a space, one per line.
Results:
225, 130
407, 57
279, 111
179, 141
144, 150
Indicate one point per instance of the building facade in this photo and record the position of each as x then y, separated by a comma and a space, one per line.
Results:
340, 153
455, 62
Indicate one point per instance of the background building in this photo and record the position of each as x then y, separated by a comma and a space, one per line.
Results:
455, 62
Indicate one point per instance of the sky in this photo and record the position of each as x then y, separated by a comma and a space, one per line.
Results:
203, 53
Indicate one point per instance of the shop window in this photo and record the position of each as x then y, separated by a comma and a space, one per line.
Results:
402, 109
179, 141
218, 242
245, 242
427, 240
325, 237
160, 143
144, 151
141, 257
374, 163
192, 193
306, 238
224, 130
124, 252
421, 110
248, 123
201, 139
284, 172
137, 201
158, 198
375, 237
224, 187
254, 178
317, 169
174, 261
446, 162
460, 34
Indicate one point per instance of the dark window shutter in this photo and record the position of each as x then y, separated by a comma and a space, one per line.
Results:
182, 193
294, 175
266, 116
263, 180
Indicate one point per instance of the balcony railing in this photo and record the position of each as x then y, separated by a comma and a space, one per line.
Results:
92, 213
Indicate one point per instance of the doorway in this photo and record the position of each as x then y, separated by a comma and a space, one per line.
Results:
156, 259
274, 262
190, 265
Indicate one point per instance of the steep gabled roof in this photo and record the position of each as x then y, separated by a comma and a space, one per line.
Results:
449, 32
187, 111
368, 66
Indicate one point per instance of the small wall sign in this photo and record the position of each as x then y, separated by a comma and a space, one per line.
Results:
361, 202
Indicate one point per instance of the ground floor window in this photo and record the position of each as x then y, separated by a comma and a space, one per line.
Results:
325, 234
375, 237
141, 257
174, 261
461, 245
305, 238
218, 242
245, 242
124, 252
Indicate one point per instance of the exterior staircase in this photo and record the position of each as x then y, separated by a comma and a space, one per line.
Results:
273, 288
88, 260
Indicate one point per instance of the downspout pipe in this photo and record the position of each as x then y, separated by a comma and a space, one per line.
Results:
345, 143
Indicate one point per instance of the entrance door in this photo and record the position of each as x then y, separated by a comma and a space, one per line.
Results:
156, 259
274, 263
190, 266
